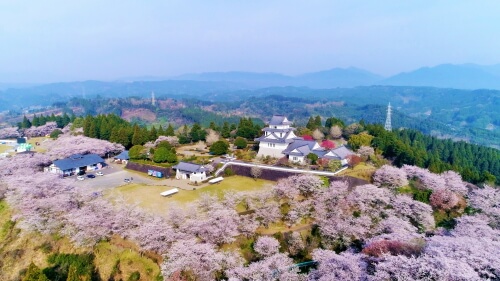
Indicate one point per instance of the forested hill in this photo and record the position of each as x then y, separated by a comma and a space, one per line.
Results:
475, 163
470, 115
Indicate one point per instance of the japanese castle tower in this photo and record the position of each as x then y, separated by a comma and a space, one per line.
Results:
276, 137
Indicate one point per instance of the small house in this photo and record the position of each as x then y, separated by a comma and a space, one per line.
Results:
193, 172
76, 163
122, 157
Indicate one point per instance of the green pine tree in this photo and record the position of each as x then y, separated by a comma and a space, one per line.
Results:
226, 130
153, 134
136, 137
170, 130
26, 123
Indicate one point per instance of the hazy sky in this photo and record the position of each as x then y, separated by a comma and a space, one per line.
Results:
42, 41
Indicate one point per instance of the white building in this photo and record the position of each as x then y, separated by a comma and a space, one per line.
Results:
276, 137
193, 172
279, 141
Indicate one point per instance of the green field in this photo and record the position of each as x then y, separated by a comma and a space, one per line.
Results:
4, 147
148, 196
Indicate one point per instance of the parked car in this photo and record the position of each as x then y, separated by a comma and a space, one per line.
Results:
126, 180
99, 174
80, 178
90, 176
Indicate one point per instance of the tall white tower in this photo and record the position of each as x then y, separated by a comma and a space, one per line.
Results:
388, 125
153, 101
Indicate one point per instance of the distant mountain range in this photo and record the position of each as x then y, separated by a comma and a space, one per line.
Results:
218, 85
463, 76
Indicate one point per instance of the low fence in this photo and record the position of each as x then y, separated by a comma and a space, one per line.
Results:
144, 168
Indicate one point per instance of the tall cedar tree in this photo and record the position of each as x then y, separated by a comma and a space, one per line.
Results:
170, 131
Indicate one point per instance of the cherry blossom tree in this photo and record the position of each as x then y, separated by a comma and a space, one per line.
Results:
209, 168
336, 132
295, 243
332, 266
476, 227
267, 213
65, 146
366, 151
275, 267
173, 140
218, 226
395, 228
487, 200
343, 217
155, 234
256, 172
41, 131
390, 176
454, 182
467, 252
425, 267
212, 137
266, 246
197, 261
443, 199
414, 211
392, 247
248, 225
317, 135
305, 184
9, 132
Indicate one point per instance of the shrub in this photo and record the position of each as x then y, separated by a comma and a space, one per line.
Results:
55, 133
228, 172
135, 276
219, 147
240, 142
313, 157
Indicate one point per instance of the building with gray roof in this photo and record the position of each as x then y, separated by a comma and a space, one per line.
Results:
279, 141
77, 163
191, 171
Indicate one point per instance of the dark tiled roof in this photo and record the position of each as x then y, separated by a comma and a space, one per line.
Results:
342, 152
78, 160
303, 146
279, 120
278, 130
123, 155
277, 139
188, 167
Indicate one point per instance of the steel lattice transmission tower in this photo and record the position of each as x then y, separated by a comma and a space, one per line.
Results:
388, 125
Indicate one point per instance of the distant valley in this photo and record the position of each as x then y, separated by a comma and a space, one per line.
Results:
437, 100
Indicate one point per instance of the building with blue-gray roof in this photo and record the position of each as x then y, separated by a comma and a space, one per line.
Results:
77, 163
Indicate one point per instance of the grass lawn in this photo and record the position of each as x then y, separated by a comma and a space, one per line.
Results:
4, 147
39, 148
117, 257
148, 196
361, 171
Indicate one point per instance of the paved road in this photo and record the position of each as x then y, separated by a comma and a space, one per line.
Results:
114, 176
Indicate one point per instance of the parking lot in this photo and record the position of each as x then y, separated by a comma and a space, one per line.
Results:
114, 176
